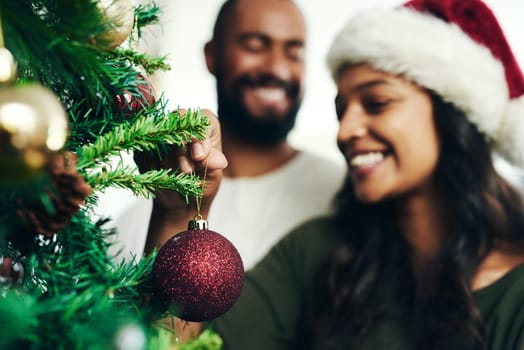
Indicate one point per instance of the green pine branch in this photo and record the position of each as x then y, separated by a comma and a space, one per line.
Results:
79, 297
149, 63
145, 134
207, 340
148, 183
146, 15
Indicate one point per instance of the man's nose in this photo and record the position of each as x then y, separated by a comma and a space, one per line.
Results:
278, 64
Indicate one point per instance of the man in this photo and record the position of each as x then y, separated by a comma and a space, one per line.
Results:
257, 57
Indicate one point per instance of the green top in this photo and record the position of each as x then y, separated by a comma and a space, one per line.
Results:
275, 304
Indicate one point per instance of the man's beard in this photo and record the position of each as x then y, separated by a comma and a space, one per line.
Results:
267, 129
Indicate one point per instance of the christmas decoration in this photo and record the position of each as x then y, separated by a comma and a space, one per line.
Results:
130, 337
33, 126
198, 274
11, 271
132, 102
7, 66
69, 192
120, 17
59, 286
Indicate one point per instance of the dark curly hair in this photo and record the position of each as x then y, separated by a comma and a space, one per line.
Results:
372, 275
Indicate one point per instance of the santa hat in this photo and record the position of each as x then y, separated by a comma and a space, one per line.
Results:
455, 48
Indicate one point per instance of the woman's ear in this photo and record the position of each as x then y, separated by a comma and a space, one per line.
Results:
210, 55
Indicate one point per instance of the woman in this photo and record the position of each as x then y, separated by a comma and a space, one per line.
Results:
426, 250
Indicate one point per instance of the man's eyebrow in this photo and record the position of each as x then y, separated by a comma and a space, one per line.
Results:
252, 35
295, 42
266, 38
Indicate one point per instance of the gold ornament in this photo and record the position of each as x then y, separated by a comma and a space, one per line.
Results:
7, 66
33, 127
120, 17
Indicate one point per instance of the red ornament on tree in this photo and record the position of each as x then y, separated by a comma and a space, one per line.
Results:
11, 271
198, 274
133, 102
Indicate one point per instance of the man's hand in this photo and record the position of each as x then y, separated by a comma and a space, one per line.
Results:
171, 213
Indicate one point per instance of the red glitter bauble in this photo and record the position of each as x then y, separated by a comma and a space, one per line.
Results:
145, 96
11, 269
198, 275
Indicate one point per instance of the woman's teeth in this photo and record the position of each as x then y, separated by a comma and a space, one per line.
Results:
366, 159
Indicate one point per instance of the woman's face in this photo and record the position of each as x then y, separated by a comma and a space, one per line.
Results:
386, 133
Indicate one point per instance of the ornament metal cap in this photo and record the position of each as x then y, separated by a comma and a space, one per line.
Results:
198, 224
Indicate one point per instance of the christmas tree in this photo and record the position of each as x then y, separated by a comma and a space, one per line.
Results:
74, 94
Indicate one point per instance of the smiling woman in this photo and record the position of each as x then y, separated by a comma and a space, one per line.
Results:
426, 249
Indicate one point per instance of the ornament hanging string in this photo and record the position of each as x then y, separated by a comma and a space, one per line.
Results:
200, 197
134, 36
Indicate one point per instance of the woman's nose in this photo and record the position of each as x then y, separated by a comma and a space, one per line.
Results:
352, 125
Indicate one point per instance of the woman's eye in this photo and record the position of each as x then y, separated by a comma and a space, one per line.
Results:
340, 107
375, 106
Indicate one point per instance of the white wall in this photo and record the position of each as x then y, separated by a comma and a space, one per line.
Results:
187, 25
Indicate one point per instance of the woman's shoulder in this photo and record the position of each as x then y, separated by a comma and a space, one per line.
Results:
501, 304
307, 245
497, 265
318, 232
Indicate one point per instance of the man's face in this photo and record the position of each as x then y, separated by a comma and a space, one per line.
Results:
260, 69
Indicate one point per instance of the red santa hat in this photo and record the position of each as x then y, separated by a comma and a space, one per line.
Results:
453, 47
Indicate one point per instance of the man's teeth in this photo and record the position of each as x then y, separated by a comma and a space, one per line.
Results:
367, 159
270, 94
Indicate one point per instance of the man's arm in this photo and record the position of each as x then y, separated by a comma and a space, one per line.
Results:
171, 213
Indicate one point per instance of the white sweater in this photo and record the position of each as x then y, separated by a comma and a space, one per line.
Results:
252, 212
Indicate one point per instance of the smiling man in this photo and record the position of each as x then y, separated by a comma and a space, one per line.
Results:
257, 55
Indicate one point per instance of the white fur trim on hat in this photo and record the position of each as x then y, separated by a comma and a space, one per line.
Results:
510, 139
434, 54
